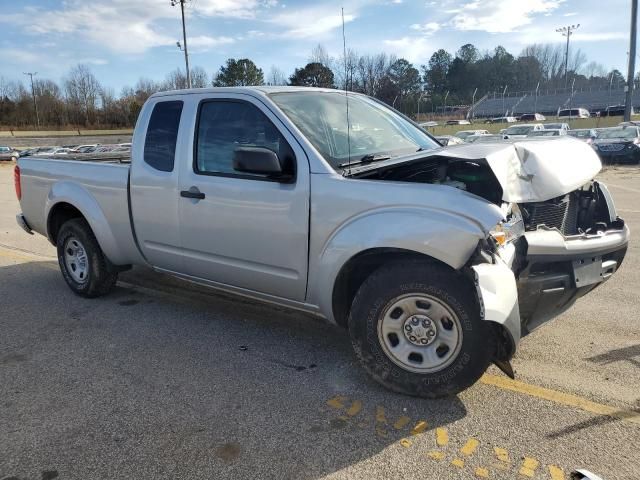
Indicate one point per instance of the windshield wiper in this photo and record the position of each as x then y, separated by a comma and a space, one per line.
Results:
369, 158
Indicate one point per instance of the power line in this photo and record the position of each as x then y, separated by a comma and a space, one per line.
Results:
567, 32
33, 94
184, 38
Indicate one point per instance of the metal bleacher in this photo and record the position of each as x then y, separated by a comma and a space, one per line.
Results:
548, 102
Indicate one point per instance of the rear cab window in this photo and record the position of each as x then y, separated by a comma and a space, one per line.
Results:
162, 135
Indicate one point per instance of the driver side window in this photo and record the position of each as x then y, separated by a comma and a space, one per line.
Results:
224, 126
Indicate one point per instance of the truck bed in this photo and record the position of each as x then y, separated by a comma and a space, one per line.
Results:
102, 182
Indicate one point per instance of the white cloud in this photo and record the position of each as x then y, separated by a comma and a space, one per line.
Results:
312, 21
427, 28
598, 36
125, 26
204, 41
500, 16
414, 49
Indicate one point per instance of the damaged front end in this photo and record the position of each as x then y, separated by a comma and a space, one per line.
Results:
560, 236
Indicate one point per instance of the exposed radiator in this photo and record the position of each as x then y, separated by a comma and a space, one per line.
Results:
558, 213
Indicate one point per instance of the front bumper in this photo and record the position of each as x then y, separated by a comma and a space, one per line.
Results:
626, 155
560, 270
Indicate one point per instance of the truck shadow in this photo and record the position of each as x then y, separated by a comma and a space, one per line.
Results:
627, 354
183, 382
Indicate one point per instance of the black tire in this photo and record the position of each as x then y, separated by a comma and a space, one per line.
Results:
392, 281
101, 275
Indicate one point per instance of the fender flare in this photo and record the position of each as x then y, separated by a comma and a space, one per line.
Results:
78, 197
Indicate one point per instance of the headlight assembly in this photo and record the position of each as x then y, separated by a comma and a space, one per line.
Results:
511, 229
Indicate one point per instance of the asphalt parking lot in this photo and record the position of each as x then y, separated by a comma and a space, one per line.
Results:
164, 380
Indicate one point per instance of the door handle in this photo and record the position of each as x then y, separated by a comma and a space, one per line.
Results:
193, 192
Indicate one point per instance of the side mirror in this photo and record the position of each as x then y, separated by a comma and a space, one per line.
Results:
258, 160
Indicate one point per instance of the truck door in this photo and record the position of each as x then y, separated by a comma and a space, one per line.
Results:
154, 184
240, 229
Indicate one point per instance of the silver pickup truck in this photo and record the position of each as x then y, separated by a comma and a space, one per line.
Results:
435, 260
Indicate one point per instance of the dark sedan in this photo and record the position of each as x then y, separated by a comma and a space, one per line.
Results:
618, 145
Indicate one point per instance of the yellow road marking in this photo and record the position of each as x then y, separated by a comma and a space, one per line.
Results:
457, 462
503, 457
420, 427
469, 447
405, 442
380, 418
442, 437
402, 422
556, 473
337, 401
482, 472
436, 455
560, 398
355, 408
529, 467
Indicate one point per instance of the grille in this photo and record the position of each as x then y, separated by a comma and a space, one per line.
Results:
561, 214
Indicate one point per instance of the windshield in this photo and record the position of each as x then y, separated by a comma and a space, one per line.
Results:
544, 133
374, 128
465, 133
580, 133
553, 125
520, 130
619, 133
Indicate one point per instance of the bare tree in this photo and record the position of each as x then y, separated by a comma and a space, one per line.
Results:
199, 77
346, 72
320, 55
276, 76
175, 80
82, 90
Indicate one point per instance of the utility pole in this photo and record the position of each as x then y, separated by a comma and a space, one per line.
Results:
628, 106
567, 32
473, 103
184, 38
33, 94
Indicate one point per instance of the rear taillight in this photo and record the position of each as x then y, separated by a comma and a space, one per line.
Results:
16, 182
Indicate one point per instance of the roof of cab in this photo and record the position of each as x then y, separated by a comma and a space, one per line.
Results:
260, 90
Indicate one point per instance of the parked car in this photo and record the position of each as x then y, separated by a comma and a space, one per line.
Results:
485, 138
573, 113
84, 148
501, 120
8, 153
458, 122
429, 124
448, 140
532, 117
521, 131
436, 261
585, 134
616, 111
557, 125
547, 132
618, 145
464, 134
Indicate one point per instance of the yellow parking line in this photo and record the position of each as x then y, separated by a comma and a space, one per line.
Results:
529, 467
556, 473
442, 437
561, 398
469, 447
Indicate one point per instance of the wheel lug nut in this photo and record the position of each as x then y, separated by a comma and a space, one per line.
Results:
431, 333
408, 328
412, 338
423, 341
415, 321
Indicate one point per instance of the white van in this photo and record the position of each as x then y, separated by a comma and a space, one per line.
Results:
573, 113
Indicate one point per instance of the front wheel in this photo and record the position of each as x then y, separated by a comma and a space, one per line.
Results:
415, 327
82, 263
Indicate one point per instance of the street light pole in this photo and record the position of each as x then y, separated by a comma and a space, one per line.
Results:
503, 93
632, 61
473, 102
567, 32
184, 38
535, 102
33, 94
445, 102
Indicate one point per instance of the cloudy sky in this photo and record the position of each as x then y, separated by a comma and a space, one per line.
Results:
123, 40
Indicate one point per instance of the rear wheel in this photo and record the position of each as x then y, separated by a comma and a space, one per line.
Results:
82, 263
415, 327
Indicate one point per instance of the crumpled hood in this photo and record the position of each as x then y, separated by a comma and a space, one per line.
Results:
534, 170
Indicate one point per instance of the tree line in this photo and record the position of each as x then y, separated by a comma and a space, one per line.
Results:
80, 100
